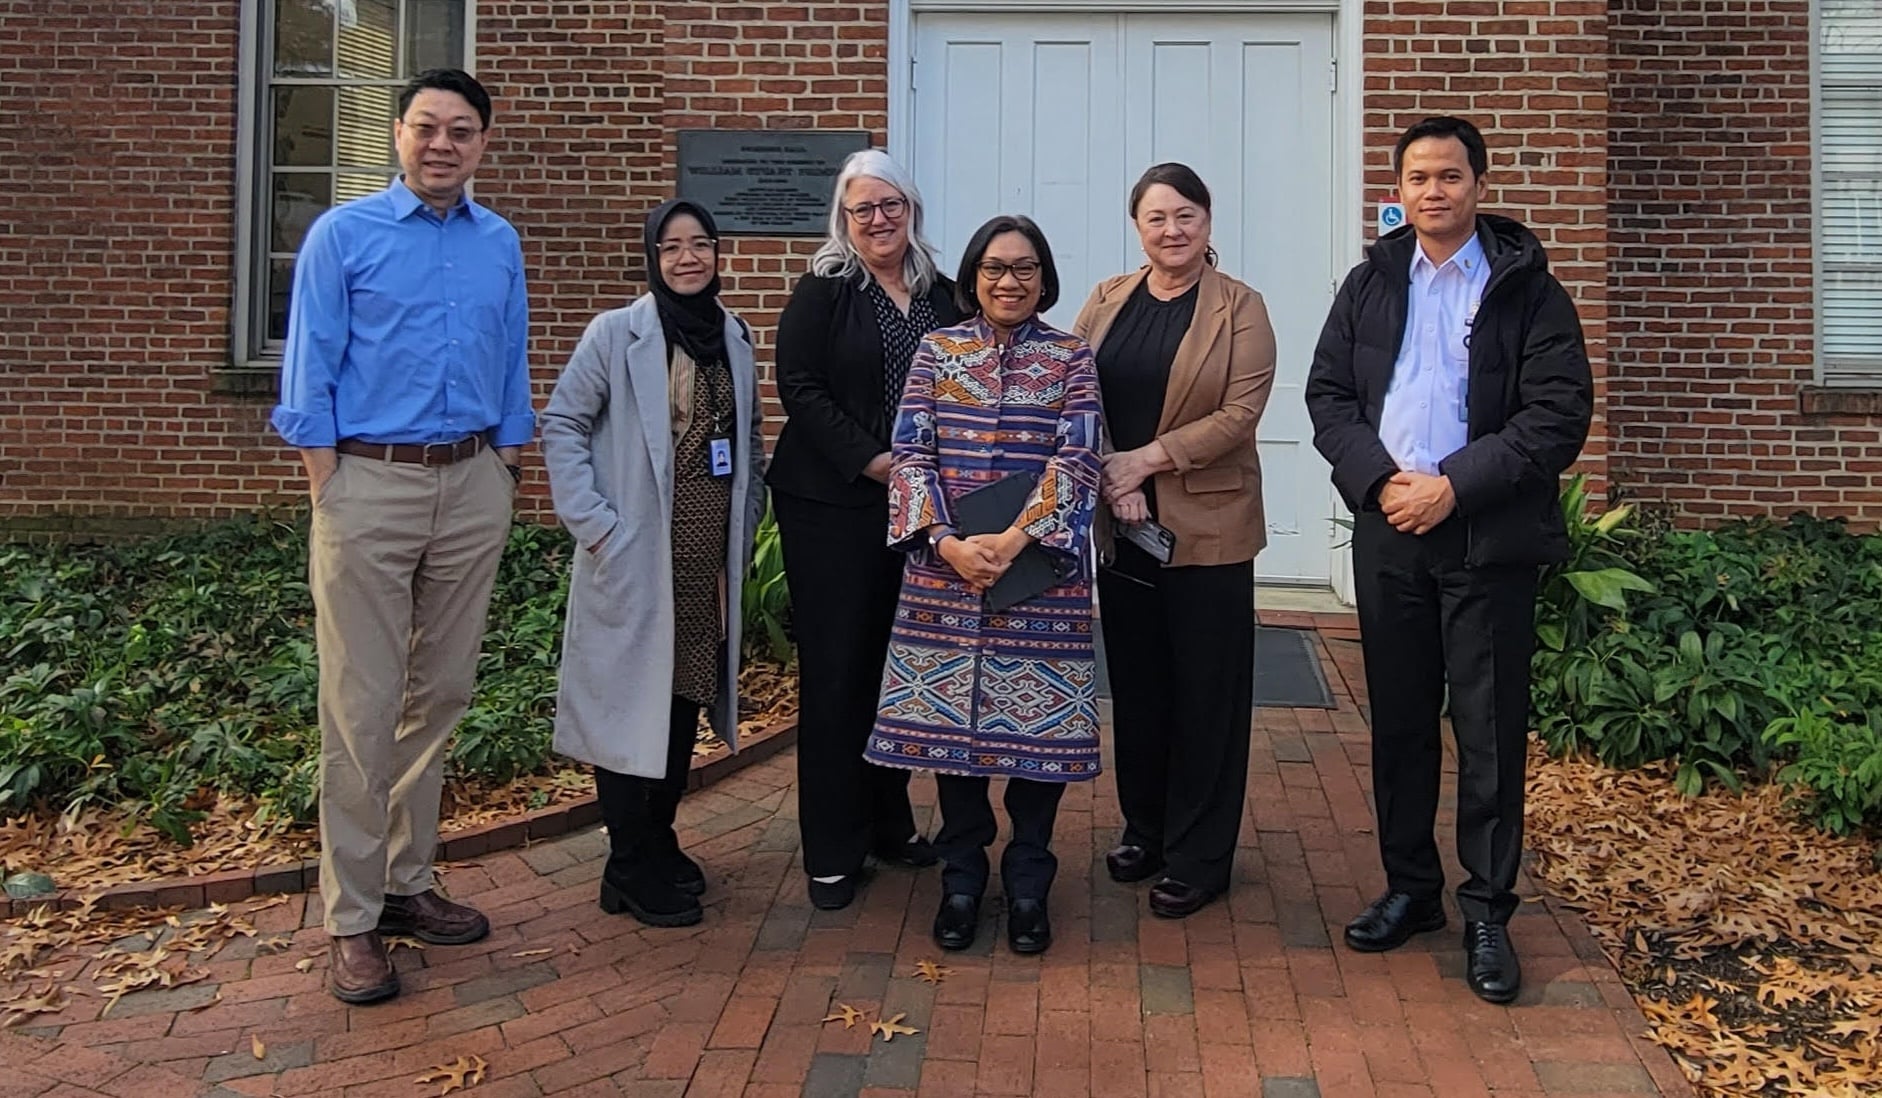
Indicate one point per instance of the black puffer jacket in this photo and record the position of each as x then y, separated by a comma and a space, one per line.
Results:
1530, 393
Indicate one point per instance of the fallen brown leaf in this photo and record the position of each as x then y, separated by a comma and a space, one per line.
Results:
888, 1028
846, 1014
465, 1071
931, 972
254, 1045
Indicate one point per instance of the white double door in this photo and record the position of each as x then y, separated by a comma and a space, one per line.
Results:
1055, 116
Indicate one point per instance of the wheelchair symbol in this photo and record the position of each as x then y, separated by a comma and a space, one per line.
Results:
1391, 216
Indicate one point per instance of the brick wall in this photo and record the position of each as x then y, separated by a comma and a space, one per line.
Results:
1532, 74
1710, 275
117, 210
116, 239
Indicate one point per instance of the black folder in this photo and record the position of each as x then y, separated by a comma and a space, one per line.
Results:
990, 509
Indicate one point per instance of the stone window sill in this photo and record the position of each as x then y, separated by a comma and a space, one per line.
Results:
1825, 401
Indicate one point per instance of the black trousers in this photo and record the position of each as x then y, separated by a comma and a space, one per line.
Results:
1426, 619
968, 826
1181, 656
844, 583
639, 812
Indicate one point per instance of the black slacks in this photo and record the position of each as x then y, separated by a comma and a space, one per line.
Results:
1426, 619
639, 812
844, 583
1181, 657
1028, 866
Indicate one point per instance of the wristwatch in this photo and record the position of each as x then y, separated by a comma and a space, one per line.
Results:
935, 537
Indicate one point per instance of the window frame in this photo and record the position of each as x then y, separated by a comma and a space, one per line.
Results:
1858, 377
248, 345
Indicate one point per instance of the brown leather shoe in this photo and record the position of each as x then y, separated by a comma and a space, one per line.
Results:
358, 970
430, 917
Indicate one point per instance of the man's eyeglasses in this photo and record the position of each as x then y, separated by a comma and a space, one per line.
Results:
993, 270
865, 212
700, 247
426, 132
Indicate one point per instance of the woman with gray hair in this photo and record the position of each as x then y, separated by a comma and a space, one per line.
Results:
844, 345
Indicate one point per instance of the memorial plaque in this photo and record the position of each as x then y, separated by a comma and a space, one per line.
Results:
765, 182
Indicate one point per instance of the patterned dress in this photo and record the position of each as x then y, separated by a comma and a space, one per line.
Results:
965, 691
702, 506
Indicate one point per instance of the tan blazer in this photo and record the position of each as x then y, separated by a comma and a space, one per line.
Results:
1219, 384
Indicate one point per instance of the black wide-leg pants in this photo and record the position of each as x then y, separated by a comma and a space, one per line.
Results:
1425, 619
844, 583
1180, 654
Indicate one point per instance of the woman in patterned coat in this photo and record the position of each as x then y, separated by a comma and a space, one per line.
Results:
972, 694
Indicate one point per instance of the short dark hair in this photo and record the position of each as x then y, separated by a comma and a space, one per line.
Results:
1180, 178
969, 274
1441, 127
451, 80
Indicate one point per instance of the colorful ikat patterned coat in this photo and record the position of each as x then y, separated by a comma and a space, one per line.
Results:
993, 694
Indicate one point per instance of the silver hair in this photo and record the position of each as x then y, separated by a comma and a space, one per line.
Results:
838, 258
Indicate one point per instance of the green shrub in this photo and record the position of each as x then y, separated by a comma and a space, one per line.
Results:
1754, 647
150, 674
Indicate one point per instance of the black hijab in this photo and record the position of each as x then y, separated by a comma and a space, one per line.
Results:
694, 322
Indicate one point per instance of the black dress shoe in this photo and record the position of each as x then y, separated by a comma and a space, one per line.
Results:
1129, 864
916, 853
1391, 921
1172, 899
1028, 927
957, 922
648, 896
833, 895
1490, 962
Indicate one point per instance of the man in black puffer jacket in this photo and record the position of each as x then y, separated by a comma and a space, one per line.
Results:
1450, 390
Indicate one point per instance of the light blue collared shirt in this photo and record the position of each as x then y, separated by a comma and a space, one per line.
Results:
407, 327
1426, 416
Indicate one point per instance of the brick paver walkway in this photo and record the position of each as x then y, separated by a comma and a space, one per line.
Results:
1250, 997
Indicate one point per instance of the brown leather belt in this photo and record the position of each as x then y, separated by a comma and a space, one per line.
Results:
414, 453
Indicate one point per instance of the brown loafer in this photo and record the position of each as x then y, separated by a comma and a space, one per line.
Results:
430, 917
358, 970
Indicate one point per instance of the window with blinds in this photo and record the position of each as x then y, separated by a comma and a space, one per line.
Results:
330, 72
1849, 200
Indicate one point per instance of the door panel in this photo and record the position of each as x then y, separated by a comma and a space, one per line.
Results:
1055, 116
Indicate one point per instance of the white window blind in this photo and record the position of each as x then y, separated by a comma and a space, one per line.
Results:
1849, 202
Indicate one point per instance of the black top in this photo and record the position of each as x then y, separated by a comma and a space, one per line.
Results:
833, 385
1134, 362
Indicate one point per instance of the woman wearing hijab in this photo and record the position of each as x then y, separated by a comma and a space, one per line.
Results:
656, 464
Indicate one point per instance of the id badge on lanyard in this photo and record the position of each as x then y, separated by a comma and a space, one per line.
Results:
719, 453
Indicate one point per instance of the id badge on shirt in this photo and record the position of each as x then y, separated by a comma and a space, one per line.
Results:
719, 452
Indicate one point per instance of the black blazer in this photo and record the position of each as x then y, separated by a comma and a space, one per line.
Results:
829, 355
1530, 396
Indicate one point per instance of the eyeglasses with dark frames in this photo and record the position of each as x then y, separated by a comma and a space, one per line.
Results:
993, 270
864, 212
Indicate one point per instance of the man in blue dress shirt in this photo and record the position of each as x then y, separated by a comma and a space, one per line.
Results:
1450, 390
405, 386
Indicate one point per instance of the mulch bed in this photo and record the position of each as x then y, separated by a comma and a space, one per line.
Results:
1751, 941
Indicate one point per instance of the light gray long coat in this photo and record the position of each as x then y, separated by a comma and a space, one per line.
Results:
607, 441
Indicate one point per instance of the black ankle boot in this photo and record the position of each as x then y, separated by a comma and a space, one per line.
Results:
650, 897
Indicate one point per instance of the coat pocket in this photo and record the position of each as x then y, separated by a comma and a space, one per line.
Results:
1217, 478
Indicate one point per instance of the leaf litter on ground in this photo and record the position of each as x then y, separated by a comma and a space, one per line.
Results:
1751, 941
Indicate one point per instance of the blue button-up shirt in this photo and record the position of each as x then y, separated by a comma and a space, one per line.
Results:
1426, 416
407, 327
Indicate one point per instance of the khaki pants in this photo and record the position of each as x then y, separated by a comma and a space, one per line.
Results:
401, 562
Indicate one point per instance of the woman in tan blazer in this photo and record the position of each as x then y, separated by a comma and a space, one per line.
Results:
1185, 363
